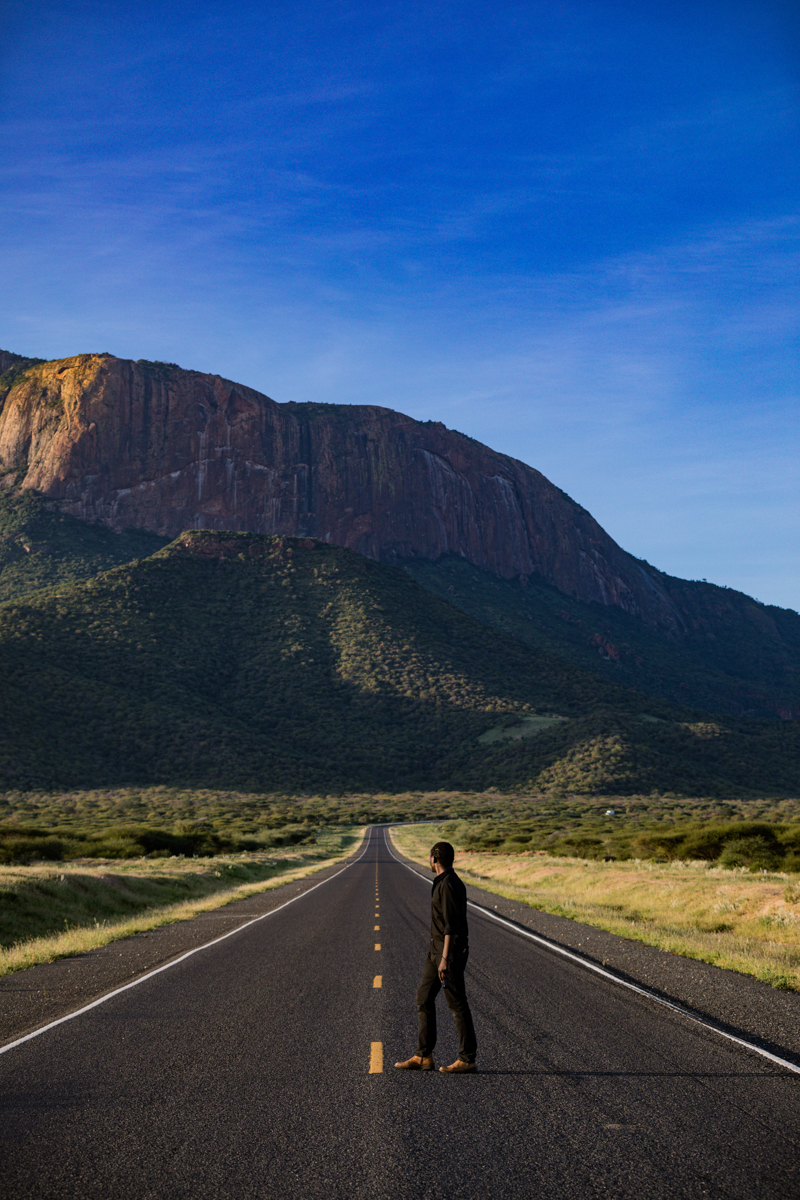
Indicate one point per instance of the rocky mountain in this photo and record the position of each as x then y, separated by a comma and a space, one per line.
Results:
149, 445
152, 447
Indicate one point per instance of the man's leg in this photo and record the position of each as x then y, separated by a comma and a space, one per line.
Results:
427, 992
456, 996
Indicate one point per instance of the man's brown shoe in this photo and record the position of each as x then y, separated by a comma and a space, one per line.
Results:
458, 1068
417, 1062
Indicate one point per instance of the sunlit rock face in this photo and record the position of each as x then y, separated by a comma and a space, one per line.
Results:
153, 446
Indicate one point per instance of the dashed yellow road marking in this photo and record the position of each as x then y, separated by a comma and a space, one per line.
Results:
376, 1058
377, 945
376, 928
377, 981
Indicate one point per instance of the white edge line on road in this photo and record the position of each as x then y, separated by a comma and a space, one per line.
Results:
590, 966
166, 967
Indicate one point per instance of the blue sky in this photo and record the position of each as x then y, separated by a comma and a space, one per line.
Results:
569, 229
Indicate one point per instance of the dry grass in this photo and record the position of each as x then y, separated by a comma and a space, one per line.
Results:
743, 922
207, 875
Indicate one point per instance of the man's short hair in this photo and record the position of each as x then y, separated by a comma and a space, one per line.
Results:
443, 853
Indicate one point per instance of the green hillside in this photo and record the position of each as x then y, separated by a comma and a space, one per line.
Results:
229, 660
41, 547
737, 656
12, 368
743, 659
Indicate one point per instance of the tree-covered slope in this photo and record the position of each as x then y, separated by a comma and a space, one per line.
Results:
41, 547
735, 655
745, 660
278, 663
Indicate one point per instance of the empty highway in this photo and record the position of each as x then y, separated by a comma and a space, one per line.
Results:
261, 1066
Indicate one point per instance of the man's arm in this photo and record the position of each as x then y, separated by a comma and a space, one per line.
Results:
445, 960
453, 923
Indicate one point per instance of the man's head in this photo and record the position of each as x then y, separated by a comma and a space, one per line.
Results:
442, 853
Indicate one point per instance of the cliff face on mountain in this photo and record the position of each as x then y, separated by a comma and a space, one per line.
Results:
151, 446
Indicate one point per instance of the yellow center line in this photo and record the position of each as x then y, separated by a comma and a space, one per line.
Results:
377, 945
377, 981
376, 1058
376, 928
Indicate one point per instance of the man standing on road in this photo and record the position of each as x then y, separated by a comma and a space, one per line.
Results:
444, 967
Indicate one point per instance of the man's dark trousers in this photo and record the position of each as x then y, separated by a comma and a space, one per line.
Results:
456, 997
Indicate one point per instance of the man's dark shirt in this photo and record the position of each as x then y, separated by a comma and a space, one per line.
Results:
448, 913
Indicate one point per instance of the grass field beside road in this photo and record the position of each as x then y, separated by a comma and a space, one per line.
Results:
55, 910
731, 918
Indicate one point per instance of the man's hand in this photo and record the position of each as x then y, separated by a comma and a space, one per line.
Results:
443, 968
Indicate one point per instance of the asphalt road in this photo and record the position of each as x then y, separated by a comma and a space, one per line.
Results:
244, 1071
